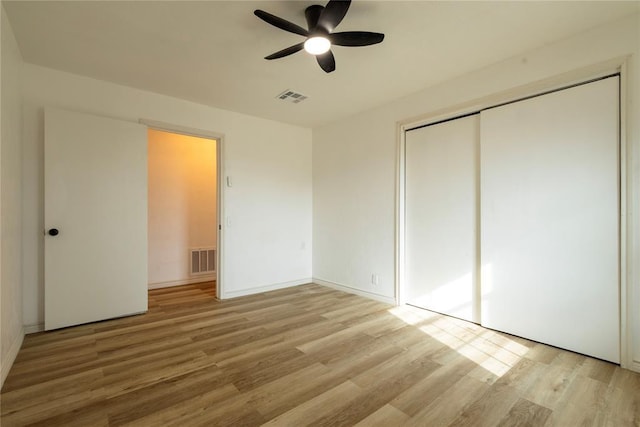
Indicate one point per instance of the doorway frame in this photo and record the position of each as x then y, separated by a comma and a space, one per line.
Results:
628, 273
219, 139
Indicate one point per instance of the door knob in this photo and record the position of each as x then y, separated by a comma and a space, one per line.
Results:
53, 232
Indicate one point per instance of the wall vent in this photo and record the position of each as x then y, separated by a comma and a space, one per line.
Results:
203, 261
292, 96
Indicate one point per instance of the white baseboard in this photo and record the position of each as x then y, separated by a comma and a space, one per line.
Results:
189, 281
7, 363
33, 329
266, 288
635, 366
349, 289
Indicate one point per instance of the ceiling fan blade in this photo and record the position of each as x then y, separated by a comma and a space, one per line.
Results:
312, 14
326, 61
283, 24
333, 13
355, 38
286, 52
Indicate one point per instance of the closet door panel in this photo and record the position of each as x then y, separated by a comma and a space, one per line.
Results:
550, 218
441, 217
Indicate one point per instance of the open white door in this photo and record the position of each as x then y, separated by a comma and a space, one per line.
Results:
96, 198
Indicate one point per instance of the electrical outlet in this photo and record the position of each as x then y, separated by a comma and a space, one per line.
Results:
374, 279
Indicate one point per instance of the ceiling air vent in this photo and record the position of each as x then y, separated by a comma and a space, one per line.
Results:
291, 96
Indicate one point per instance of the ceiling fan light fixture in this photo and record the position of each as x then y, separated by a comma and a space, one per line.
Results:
317, 45
320, 35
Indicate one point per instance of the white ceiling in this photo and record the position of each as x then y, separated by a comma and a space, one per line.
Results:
211, 52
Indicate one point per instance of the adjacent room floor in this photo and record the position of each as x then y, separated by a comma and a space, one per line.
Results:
307, 355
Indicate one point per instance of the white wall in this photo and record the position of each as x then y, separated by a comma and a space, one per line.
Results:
268, 208
355, 160
182, 205
10, 200
354, 180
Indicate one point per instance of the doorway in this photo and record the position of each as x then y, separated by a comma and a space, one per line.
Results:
183, 210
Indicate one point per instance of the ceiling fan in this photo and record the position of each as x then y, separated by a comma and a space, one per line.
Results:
321, 21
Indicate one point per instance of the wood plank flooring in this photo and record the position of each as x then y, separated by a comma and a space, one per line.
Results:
307, 355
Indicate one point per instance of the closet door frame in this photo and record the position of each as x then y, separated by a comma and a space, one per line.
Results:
629, 182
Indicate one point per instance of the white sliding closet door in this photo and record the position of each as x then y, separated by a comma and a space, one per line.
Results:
441, 217
549, 218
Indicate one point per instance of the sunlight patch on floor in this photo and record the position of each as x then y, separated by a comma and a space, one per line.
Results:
491, 350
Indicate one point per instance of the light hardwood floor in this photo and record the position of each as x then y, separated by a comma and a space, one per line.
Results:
307, 355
